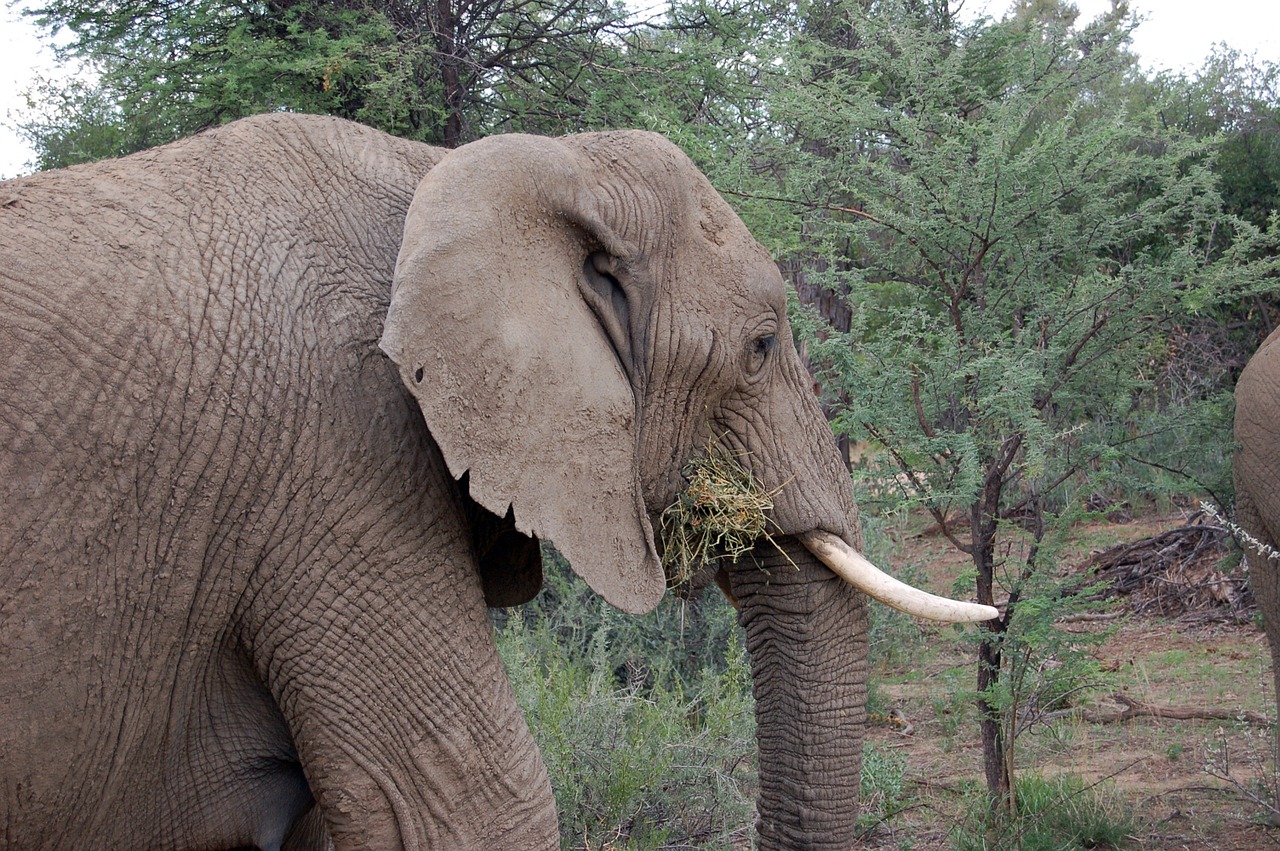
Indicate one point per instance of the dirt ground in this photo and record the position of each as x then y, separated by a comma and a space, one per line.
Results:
1168, 775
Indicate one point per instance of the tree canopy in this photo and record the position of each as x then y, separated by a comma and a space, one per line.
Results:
1014, 255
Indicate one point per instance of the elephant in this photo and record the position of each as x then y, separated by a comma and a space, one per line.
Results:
289, 403
1256, 470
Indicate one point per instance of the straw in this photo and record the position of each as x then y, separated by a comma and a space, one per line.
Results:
722, 512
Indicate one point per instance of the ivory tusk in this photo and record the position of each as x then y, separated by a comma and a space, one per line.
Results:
853, 568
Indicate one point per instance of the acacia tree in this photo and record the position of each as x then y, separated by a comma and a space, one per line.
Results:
1014, 250
443, 71
431, 70
1234, 100
1237, 97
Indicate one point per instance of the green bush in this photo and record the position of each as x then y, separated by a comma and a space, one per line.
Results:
646, 724
646, 746
883, 786
671, 646
894, 639
1052, 814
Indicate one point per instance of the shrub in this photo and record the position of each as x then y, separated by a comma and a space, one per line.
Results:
883, 786
1052, 814
644, 748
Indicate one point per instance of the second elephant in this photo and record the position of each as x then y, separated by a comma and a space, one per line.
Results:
1257, 482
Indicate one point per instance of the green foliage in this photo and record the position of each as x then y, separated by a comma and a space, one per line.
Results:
672, 646
1235, 100
1043, 667
652, 766
1017, 259
75, 122
440, 73
691, 74
646, 724
894, 639
164, 71
1052, 814
1169, 449
883, 786
1012, 267
953, 706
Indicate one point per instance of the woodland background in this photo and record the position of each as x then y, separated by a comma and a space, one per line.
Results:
1026, 274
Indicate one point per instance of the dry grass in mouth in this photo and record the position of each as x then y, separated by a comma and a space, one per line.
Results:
723, 511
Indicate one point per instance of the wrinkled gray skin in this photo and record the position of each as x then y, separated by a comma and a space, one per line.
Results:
1257, 479
244, 574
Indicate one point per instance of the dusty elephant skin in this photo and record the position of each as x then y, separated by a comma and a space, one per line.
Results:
1257, 480
278, 422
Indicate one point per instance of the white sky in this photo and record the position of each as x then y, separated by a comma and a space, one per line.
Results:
1176, 35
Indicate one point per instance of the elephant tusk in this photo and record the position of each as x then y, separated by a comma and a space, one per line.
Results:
853, 568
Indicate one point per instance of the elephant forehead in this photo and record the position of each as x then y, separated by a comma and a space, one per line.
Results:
739, 283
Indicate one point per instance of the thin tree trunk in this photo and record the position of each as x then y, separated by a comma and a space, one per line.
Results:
447, 42
995, 765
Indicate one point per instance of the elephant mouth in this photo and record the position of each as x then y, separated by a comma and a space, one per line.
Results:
851, 566
724, 512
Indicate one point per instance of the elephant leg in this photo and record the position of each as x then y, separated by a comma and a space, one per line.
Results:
403, 717
240, 727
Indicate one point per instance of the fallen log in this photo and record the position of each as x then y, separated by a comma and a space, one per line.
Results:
1137, 709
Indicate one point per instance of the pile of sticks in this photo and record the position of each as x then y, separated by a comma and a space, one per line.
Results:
1186, 571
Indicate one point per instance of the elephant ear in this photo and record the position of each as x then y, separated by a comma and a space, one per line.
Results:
513, 341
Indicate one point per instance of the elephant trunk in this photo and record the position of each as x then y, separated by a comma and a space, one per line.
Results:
806, 634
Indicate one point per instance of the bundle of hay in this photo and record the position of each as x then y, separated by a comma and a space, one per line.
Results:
722, 512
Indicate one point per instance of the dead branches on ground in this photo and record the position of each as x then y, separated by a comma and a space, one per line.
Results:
1178, 572
1137, 709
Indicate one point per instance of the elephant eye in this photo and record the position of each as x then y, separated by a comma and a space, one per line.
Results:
760, 348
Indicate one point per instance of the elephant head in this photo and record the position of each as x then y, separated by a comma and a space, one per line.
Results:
577, 319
